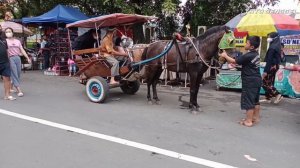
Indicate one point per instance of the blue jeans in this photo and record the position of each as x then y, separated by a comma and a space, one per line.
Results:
72, 68
15, 67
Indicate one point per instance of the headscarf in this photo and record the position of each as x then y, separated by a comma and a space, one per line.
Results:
275, 44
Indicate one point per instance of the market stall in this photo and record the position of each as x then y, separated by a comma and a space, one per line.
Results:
288, 76
53, 23
287, 80
229, 76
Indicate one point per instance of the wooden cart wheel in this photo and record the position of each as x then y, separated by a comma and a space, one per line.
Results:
97, 89
130, 87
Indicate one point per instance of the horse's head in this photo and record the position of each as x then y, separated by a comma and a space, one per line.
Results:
227, 43
209, 43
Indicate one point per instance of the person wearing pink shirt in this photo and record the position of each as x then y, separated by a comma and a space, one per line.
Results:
15, 50
5, 68
72, 67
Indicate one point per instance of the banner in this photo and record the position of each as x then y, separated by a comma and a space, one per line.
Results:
286, 81
291, 44
240, 38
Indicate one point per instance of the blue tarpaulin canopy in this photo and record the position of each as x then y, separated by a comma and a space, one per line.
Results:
59, 14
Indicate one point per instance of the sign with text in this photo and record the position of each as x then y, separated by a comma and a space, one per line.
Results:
240, 38
291, 44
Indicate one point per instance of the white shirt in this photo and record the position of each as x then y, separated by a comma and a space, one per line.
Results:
43, 44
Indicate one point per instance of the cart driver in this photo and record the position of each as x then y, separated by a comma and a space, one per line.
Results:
107, 48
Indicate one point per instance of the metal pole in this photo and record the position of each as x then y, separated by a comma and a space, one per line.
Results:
97, 35
70, 44
259, 49
125, 30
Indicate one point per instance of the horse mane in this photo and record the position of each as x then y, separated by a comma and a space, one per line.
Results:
208, 41
211, 31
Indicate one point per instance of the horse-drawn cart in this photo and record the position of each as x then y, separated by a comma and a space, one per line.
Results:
94, 70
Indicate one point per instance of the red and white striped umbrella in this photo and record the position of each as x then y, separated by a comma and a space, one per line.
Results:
18, 28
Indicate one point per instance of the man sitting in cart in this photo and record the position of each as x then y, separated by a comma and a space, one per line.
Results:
107, 48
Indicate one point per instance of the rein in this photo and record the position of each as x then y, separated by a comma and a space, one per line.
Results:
216, 68
147, 61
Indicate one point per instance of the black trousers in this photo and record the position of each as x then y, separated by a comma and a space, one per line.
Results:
46, 61
249, 98
268, 83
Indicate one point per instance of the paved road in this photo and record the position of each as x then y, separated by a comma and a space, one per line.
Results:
212, 135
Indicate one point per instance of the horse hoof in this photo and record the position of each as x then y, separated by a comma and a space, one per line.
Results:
157, 102
150, 102
195, 112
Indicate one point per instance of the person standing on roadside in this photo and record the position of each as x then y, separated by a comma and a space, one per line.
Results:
251, 80
272, 59
15, 50
45, 51
5, 67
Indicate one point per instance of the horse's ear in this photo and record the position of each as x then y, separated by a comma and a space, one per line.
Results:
227, 29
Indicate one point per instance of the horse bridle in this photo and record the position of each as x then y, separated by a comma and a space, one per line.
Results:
202, 59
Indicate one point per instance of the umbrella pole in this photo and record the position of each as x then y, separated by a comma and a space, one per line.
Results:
36, 35
259, 49
268, 45
23, 36
70, 44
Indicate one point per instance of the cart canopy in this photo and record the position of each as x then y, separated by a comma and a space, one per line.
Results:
116, 19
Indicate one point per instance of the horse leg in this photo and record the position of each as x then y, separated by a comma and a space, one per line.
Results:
155, 97
199, 77
149, 79
154, 84
148, 93
198, 81
195, 78
193, 92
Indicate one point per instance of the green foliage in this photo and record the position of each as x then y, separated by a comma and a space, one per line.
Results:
196, 12
211, 13
168, 7
219, 12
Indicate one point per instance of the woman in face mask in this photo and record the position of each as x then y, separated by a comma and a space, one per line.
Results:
272, 59
15, 50
5, 72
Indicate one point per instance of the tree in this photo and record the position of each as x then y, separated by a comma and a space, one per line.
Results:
195, 12
217, 12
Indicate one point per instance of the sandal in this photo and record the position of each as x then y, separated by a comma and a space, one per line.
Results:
278, 98
12, 91
9, 98
253, 121
243, 123
20, 94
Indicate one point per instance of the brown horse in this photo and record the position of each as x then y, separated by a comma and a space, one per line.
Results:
188, 60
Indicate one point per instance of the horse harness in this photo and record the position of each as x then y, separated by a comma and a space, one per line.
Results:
188, 44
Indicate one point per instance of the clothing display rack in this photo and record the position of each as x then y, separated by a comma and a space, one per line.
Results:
61, 51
